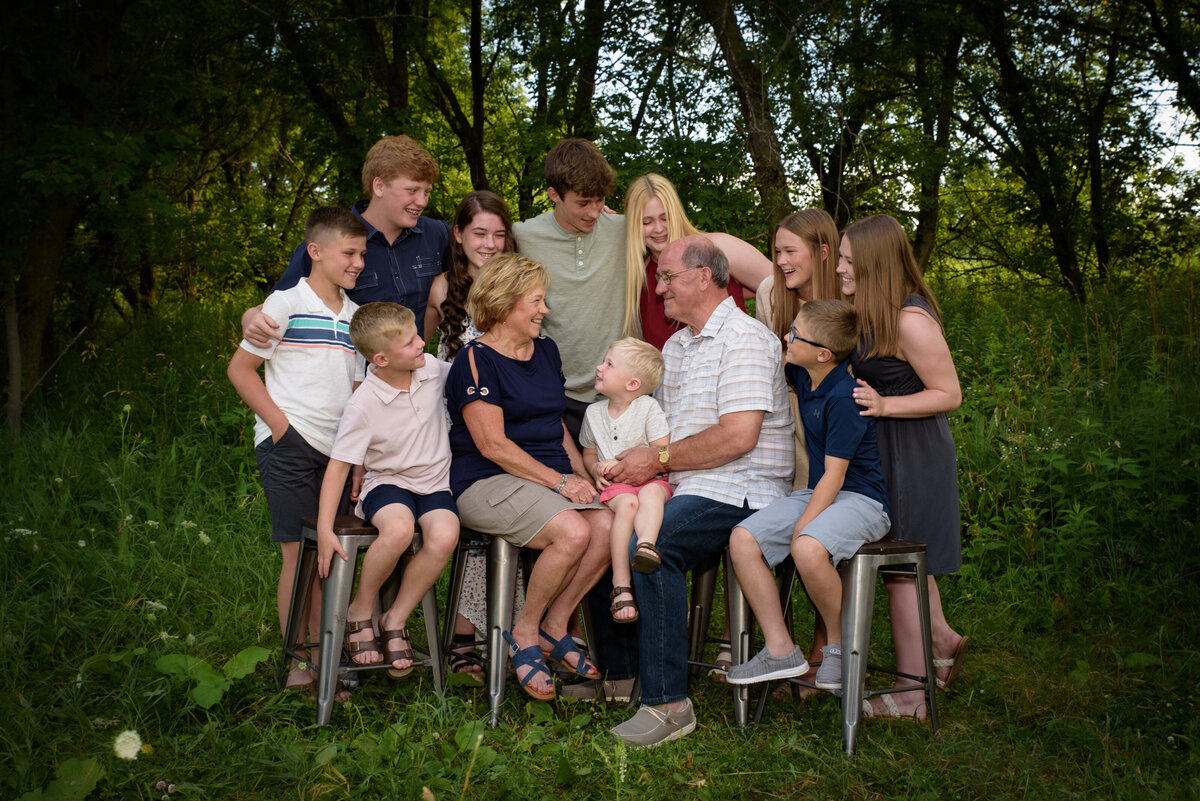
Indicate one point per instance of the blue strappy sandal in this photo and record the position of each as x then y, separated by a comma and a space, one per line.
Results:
567, 646
531, 656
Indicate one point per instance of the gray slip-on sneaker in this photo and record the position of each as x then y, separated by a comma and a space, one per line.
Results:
764, 667
615, 690
829, 674
654, 725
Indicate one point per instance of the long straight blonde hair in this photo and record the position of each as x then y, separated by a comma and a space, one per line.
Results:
816, 228
678, 226
885, 274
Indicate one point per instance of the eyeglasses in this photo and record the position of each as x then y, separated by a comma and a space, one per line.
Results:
796, 336
666, 277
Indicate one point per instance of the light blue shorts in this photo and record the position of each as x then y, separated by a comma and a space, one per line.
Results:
850, 522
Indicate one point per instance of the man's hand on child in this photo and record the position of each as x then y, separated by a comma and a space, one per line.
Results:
260, 330
327, 545
636, 466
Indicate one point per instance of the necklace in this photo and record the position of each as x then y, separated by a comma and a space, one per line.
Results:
505, 351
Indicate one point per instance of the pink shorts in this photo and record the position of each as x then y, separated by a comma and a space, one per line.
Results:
613, 490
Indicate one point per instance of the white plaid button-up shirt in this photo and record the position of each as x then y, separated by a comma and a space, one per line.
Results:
733, 365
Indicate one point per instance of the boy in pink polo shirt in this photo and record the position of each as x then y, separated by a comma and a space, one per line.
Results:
395, 426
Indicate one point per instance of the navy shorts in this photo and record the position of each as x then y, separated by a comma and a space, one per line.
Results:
386, 494
291, 472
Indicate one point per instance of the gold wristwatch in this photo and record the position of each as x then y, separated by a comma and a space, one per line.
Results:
664, 458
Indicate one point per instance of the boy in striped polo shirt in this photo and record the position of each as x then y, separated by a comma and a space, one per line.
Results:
310, 373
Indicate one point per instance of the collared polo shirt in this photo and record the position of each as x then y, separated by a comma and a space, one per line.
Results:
834, 427
400, 272
733, 365
399, 435
310, 371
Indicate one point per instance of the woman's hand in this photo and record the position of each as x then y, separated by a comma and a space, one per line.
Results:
869, 399
577, 490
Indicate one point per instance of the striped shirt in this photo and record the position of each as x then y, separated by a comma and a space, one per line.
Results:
733, 365
310, 372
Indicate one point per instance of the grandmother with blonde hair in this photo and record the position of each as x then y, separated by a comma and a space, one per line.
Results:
516, 472
654, 218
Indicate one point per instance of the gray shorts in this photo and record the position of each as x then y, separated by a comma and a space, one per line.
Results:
512, 508
849, 523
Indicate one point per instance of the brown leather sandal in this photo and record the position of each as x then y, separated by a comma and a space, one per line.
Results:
646, 557
361, 646
391, 656
623, 604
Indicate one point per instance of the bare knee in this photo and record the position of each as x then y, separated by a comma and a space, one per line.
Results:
395, 534
809, 554
742, 545
440, 539
624, 506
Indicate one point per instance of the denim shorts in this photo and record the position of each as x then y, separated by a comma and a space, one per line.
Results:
847, 524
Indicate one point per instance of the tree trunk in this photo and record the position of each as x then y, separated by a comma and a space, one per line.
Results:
39, 276
755, 101
582, 121
936, 122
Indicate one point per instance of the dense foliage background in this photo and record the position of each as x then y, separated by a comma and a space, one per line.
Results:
159, 159
154, 151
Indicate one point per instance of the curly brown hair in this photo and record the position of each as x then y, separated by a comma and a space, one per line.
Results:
454, 307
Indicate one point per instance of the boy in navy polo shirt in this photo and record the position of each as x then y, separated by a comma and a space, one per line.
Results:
405, 250
843, 508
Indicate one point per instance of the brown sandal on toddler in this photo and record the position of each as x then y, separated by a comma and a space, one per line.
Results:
646, 557
618, 605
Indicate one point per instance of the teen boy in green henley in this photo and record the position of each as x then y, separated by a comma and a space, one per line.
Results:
583, 250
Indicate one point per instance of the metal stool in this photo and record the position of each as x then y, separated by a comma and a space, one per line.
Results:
354, 536
890, 557
502, 560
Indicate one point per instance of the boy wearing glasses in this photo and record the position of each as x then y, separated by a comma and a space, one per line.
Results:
844, 507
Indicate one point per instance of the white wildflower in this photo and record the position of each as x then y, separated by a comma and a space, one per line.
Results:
204, 538
156, 605
127, 745
126, 408
151, 524
187, 524
82, 544
128, 518
164, 636
57, 481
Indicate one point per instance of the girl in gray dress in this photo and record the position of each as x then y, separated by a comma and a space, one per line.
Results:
906, 379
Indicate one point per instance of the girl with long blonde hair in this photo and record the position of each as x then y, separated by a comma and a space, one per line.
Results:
654, 218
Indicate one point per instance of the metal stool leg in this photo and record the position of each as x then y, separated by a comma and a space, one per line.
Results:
501, 581
704, 587
335, 598
295, 634
927, 641
741, 626
858, 601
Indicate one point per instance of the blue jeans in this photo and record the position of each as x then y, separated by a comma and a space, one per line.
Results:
693, 530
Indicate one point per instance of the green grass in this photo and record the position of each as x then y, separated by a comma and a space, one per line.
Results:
134, 529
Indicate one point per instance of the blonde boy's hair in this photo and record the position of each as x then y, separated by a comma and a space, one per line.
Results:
643, 360
375, 325
394, 156
504, 280
833, 323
